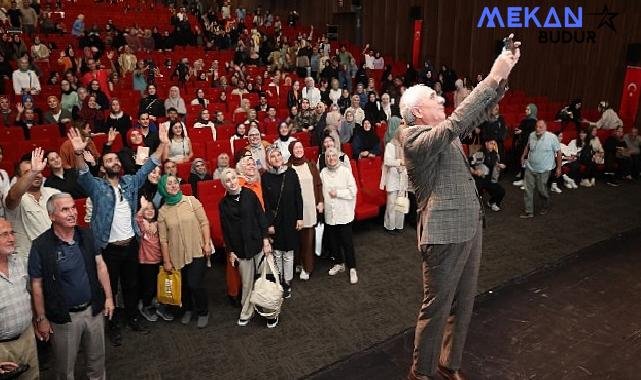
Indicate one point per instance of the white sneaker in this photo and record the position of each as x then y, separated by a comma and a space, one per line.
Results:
518, 182
593, 182
574, 185
304, 275
555, 188
522, 187
494, 207
585, 182
337, 269
353, 276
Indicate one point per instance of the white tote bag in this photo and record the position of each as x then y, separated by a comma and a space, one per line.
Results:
267, 296
319, 229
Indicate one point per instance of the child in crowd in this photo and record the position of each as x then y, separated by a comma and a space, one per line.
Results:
150, 259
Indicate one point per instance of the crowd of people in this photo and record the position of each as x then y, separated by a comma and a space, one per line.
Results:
278, 201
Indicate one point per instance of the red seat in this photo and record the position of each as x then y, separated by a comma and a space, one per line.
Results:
201, 135
186, 189
199, 149
370, 178
240, 145
347, 149
11, 134
215, 148
210, 193
225, 131
363, 210
100, 140
311, 152
183, 170
45, 132
81, 207
303, 137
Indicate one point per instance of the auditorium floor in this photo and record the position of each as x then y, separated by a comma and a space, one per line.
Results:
580, 320
328, 320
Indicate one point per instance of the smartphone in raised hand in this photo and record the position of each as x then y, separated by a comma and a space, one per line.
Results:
508, 43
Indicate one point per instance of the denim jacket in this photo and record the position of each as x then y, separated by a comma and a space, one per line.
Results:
102, 197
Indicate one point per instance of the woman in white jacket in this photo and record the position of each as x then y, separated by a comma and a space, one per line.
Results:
339, 194
394, 181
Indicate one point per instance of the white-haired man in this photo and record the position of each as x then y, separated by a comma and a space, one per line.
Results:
450, 226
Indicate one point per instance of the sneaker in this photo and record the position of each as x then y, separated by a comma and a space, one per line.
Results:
612, 183
135, 325
593, 182
495, 207
526, 215
304, 275
287, 291
574, 185
353, 276
187, 317
522, 187
202, 322
585, 182
555, 188
272, 323
337, 268
163, 313
518, 182
149, 314
242, 322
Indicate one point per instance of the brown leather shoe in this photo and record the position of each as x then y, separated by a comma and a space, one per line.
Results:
448, 374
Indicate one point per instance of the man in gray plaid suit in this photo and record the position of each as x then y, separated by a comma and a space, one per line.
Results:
450, 225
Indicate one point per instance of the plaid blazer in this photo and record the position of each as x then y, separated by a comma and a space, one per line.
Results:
448, 202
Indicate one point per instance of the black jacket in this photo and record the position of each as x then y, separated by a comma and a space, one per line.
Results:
243, 223
283, 215
56, 308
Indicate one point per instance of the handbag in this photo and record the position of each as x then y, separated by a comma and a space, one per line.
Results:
280, 196
402, 203
318, 230
169, 287
267, 296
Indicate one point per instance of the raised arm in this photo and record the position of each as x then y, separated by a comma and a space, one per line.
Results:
38, 164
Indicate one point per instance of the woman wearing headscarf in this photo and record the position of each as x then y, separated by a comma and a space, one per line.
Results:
258, 148
521, 136
346, 128
175, 101
339, 195
151, 104
69, 97
198, 173
249, 176
284, 139
127, 155
101, 97
246, 238
312, 196
394, 177
373, 109
460, 92
200, 99
185, 243
366, 142
331, 140
117, 119
284, 212
239, 134
91, 114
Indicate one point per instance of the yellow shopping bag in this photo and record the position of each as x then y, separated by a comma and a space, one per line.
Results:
169, 287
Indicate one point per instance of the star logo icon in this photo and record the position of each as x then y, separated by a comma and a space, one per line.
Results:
607, 18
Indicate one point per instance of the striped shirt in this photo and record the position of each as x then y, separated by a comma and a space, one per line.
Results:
15, 300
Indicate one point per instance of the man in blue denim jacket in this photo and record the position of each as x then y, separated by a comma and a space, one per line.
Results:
115, 200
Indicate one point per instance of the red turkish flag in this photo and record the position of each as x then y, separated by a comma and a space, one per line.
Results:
416, 45
630, 96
